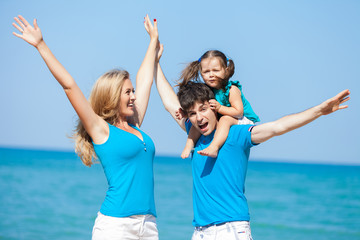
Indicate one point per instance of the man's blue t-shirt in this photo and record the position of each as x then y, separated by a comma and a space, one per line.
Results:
219, 183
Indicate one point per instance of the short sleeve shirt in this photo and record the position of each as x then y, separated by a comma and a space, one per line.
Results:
219, 183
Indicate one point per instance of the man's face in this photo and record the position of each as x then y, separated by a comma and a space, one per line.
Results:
202, 118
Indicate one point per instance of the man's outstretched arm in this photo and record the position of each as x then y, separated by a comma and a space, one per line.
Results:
264, 132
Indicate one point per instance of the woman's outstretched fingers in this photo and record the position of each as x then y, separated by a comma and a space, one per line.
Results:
19, 22
35, 24
30, 34
17, 27
24, 20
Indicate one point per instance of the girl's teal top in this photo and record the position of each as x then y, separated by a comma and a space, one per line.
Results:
223, 98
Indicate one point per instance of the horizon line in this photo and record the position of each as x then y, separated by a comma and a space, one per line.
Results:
268, 160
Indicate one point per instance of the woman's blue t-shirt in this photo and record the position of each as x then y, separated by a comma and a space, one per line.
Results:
128, 166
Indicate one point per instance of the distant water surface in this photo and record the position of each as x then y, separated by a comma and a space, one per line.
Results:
51, 195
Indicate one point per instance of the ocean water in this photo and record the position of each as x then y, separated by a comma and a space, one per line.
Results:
51, 195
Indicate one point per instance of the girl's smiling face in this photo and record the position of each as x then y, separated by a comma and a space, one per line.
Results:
212, 72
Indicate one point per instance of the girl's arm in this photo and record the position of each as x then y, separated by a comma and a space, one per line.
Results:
145, 75
236, 109
264, 132
167, 95
95, 126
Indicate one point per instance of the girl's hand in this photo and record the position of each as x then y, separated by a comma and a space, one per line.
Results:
151, 29
214, 105
179, 114
30, 34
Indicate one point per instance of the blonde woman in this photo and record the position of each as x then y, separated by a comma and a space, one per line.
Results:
108, 129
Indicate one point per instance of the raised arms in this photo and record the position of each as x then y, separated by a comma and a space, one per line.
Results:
167, 94
145, 75
95, 126
264, 132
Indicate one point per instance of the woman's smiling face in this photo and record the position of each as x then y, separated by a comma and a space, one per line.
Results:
127, 99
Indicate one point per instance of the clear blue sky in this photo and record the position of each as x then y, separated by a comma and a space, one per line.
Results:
289, 56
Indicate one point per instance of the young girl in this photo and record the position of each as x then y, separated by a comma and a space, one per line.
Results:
216, 70
109, 130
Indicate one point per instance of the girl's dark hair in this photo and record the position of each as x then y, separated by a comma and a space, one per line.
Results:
193, 69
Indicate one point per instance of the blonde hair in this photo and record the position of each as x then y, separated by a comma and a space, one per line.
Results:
104, 100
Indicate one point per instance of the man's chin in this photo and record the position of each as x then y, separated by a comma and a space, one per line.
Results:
201, 131
206, 132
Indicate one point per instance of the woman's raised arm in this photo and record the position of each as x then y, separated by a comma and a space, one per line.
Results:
95, 126
145, 75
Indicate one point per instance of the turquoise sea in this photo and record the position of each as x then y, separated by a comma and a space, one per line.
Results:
51, 195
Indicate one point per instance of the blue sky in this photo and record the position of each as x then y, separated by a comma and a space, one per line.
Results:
289, 56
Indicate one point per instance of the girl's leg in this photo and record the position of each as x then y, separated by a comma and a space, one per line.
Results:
220, 136
190, 142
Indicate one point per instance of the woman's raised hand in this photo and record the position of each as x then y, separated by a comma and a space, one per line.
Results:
150, 28
30, 34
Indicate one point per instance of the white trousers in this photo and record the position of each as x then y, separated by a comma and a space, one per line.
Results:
237, 230
139, 227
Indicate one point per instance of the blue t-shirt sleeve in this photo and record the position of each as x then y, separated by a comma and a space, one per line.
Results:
188, 125
242, 135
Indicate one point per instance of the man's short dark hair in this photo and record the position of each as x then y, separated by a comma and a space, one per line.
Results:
194, 92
